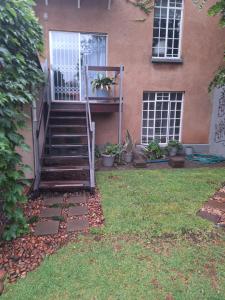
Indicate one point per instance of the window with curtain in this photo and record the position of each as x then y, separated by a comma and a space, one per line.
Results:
167, 29
93, 48
70, 52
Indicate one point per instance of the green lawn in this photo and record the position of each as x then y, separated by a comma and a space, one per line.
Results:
152, 247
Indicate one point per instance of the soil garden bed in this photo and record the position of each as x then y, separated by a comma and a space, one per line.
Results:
159, 165
26, 253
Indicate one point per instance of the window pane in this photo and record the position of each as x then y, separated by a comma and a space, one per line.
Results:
167, 26
156, 125
145, 106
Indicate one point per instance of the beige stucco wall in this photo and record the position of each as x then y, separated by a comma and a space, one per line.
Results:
130, 42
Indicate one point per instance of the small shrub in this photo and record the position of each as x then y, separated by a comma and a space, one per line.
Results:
112, 149
154, 151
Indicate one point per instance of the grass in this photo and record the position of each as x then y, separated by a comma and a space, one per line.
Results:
152, 247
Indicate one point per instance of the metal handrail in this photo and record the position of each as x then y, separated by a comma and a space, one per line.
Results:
40, 119
91, 134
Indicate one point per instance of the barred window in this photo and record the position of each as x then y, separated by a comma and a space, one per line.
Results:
162, 112
167, 29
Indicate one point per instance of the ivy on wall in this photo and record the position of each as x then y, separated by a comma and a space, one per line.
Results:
20, 75
144, 5
218, 9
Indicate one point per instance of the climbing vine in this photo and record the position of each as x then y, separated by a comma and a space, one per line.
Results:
218, 9
144, 5
20, 41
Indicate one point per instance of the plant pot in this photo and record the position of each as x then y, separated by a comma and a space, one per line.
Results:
108, 160
188, 150
128, 157
173, 151
102, 93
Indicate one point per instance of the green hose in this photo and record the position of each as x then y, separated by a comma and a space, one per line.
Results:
205, 158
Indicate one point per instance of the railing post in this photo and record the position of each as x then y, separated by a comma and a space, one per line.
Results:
93, 155
120, 105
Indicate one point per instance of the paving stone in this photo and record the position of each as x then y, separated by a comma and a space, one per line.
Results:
78, 211
217, 205
50, 212
53, 200
139, 163
210, 217
77, 199
46, 227
77, 225
177, 161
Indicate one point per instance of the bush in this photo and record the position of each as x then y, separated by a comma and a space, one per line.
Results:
20, 41
153, 150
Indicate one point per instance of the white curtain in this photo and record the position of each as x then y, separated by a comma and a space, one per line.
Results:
93, 53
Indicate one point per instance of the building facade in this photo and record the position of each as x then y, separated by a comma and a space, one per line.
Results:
169, 58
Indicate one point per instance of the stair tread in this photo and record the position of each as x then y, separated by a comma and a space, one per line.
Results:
64, 156
67, 126
68, 135
68, 110
66, 145
64, 183
64, 168
68, 117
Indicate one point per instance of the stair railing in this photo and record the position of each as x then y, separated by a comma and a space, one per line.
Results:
90, 133
40, 118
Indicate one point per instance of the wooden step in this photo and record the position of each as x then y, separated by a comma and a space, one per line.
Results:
67, 146
59, 160
67, 129
65, 168
68, 117
80, 156
66, 110
65, 173
67, 120
67, 126
68, 135
68, 105
60, 185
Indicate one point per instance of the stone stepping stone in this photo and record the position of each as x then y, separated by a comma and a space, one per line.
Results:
53, 200
47, 227
78, 211
216, 204
77, 199
77, 225
50, 212
210, 217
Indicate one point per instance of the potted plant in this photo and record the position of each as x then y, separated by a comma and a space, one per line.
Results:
154, 151
102, 85
128, 148
109, 153
173, 147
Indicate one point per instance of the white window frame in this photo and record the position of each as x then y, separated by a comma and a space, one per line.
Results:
168, 116
166, 57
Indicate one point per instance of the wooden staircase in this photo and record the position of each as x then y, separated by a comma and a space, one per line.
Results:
66, 158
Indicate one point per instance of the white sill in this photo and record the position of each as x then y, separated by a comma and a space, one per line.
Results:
167, 60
